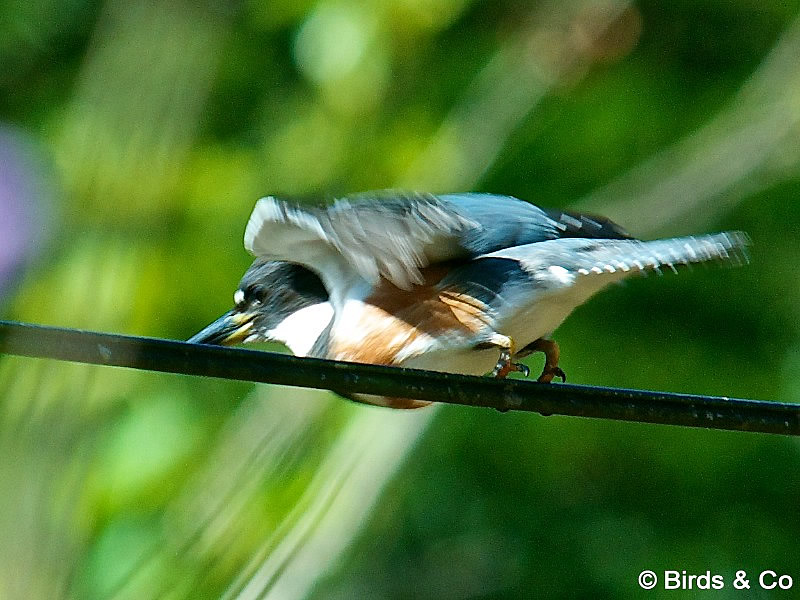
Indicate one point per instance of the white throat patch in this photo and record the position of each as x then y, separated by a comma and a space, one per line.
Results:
301, 329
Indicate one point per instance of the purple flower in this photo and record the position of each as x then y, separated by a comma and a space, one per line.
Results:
24, 194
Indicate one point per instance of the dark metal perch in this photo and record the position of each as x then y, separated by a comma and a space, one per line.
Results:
713, 412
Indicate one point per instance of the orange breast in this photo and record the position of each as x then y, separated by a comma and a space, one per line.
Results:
393, 319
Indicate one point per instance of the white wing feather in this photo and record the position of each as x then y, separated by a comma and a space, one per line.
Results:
392, 238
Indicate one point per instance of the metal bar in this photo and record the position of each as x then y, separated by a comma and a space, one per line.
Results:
169, 356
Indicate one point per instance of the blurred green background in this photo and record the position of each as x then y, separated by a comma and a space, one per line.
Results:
135, 138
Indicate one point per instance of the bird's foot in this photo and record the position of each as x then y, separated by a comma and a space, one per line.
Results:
504, 364
551, 372
551, 355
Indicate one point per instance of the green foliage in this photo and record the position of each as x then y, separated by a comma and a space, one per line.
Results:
158, 124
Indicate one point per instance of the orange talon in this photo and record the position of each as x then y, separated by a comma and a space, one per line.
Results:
504, 365
551, 355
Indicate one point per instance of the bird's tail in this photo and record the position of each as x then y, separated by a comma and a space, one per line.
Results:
613, 256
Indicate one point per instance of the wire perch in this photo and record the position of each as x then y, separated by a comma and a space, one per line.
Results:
170, 356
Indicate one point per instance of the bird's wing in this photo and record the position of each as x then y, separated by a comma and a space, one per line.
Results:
506, 221
373, 235
503, 221
573, 224
393, 234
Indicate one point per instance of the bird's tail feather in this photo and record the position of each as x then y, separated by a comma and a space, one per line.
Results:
637, 256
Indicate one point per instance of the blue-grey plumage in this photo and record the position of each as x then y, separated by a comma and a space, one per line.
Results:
582, 266
529, 290
357, 240
506, 221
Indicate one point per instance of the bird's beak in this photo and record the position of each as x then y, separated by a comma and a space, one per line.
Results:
231, 328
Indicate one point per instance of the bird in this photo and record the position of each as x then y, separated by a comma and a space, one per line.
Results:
288, 303
464, 283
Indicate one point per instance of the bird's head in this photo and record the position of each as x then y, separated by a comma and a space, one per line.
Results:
275, 301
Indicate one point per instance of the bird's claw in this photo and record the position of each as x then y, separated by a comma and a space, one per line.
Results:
549, 373
504, 366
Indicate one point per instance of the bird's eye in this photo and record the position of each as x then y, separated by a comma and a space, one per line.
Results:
254, 295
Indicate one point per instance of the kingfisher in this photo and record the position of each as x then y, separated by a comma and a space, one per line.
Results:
462, 283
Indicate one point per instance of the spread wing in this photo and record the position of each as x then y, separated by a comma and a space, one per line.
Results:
393, 234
